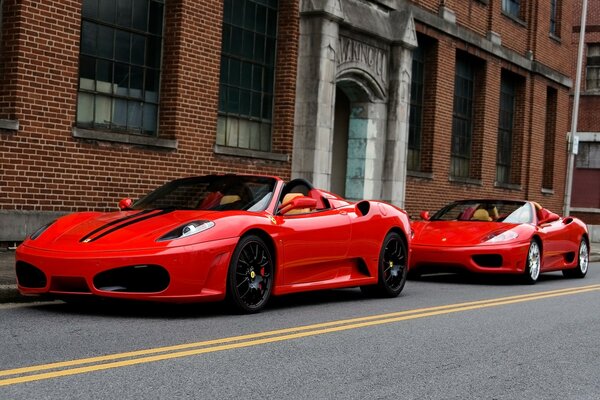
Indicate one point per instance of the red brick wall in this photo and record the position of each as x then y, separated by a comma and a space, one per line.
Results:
424, 193
44, 168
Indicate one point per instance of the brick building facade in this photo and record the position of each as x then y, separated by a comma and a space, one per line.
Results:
415, 102
585, 197
55, 158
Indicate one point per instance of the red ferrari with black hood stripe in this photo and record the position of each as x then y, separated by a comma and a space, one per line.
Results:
499, 236
208, 238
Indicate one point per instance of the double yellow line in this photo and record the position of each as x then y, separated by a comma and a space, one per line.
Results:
92, 364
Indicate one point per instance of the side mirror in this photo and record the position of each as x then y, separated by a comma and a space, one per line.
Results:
299, 203
125, 204
424, 215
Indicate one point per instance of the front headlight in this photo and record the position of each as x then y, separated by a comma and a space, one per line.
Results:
189, 229
41, 230
501, 237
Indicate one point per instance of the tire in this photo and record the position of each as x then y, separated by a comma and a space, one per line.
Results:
392, 269
250, 275
583, 259
533, 263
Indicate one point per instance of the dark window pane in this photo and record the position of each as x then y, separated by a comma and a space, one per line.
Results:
227, 11
89, 37
269, 78
270, 52
256, 105
233, 100
104, 76
156, 18
271, 23
244, 102
138, 49
247, 44
257, 78
87, 67
105, 41
250, 15
261, 19
237, 16
90, 9
224, 78
124, 13
149, 121
223, 98
246, 81
122, 46
267, 106
154, 52
234, 72
236, 41
140, 15
259, 49
107, 11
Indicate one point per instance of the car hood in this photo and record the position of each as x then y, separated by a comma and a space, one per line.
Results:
456, 233
124, 230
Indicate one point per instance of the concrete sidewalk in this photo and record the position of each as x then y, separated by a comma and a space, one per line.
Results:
8, 281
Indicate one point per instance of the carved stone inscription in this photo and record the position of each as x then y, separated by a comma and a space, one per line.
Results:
364, 56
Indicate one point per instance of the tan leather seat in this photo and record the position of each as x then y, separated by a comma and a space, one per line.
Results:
288, 198
230, 198
481, 215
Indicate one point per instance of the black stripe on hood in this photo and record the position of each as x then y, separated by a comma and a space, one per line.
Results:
88, 239
115, 222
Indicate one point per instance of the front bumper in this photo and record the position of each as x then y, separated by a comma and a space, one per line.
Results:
178, 274
508, 258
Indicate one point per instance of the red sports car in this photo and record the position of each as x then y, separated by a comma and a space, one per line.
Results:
499, 236
236, 237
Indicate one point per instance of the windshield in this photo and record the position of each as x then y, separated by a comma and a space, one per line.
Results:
212, 192
516, 212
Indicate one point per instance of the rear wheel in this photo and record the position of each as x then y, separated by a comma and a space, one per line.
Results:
533, 263
582, 263
250, 277
393, 268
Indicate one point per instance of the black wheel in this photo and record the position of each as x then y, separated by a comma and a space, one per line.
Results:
250, 278
583, 260
533, 263
392, 268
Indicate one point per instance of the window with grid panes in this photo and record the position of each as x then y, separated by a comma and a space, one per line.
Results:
505, 129
247, 74
592, 68
415, 126
119, 65
512, 7
462, 119
554, 28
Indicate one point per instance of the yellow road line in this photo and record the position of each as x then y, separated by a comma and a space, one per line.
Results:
210, 346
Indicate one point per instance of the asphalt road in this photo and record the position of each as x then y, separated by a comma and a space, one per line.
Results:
445, 337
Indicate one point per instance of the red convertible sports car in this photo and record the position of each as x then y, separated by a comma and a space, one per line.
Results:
208, 238
499, 236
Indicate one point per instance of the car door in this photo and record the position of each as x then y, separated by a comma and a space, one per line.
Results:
314, 245
555, 244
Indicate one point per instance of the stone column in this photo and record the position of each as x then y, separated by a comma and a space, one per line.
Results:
313, 137
394, 181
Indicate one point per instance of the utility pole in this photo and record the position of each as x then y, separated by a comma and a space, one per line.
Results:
571, 135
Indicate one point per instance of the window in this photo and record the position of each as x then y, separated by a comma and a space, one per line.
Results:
592, 70
512, 8
549, 138
588, 156
415, 126
554, 17
505, 130
247, 74
462, 118
119, 65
